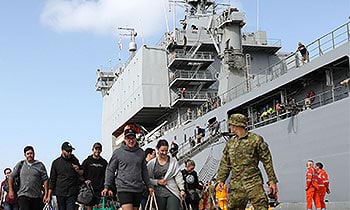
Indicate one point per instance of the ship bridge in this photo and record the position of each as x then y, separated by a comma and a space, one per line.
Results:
258, 42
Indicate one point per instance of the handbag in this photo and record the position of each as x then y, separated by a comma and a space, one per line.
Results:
86, 194
151, 202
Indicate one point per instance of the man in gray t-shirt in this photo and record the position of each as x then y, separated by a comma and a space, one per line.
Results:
32, 175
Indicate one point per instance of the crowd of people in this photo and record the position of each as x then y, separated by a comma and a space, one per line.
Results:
29, 186
139, 178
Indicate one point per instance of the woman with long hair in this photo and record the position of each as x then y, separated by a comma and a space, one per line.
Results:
165, 175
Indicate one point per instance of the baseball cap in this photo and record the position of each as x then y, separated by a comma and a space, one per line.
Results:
129, 132
67, 146
97, 145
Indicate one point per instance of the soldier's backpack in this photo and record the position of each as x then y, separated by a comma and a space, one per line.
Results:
16, 180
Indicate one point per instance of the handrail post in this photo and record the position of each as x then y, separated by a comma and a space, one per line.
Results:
319, 47
348, 31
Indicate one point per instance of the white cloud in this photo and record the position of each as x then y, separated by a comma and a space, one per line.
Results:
104, 16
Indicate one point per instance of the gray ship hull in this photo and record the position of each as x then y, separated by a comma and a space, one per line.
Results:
320, 134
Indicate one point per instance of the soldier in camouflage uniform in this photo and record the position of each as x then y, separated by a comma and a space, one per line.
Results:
241, 156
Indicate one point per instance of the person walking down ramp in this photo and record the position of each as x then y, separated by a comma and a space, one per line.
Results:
64, 178
33, 177
241, 157
128, 172
167, 179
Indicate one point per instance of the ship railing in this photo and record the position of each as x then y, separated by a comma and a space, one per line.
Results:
184, 74
177, 37
267, 42
193, 95
213, 101
170, 126
327, 97
194, 35
329, 41
334, 94
338, 36
191, 147
104, 80
229, 15
197, 56
317, 48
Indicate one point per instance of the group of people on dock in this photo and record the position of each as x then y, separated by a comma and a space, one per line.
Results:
140, 178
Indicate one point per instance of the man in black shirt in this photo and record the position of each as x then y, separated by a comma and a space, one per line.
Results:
94, 169
64, 178
191, 184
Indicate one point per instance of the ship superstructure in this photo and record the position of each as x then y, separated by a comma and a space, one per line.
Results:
208, 68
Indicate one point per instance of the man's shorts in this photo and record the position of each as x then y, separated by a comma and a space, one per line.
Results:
133, 198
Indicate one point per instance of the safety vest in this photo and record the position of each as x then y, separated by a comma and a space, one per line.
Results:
221, 195
323, 181
311, 177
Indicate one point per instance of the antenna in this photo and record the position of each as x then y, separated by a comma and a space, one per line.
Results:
132, 34
257, 14
174, 16
166, 18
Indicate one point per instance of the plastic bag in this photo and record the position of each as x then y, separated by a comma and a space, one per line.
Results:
48, 206
107, 204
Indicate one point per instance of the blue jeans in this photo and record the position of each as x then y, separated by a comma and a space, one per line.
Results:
8, 206
66, 203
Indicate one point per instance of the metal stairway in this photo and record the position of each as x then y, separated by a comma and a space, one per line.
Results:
199, 147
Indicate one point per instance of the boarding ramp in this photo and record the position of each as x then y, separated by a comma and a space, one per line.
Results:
209, 169
187, 151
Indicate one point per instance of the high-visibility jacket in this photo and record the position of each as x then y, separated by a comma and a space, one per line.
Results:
311, 178
221, 196
311, 188
323, 181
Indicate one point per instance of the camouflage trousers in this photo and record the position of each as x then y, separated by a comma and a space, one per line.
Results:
239, 197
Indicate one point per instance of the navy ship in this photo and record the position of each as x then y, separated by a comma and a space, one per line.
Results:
208, 68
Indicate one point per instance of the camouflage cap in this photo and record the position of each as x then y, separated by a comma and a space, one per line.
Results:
238, 120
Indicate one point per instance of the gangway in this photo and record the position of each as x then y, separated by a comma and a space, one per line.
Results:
199, 147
